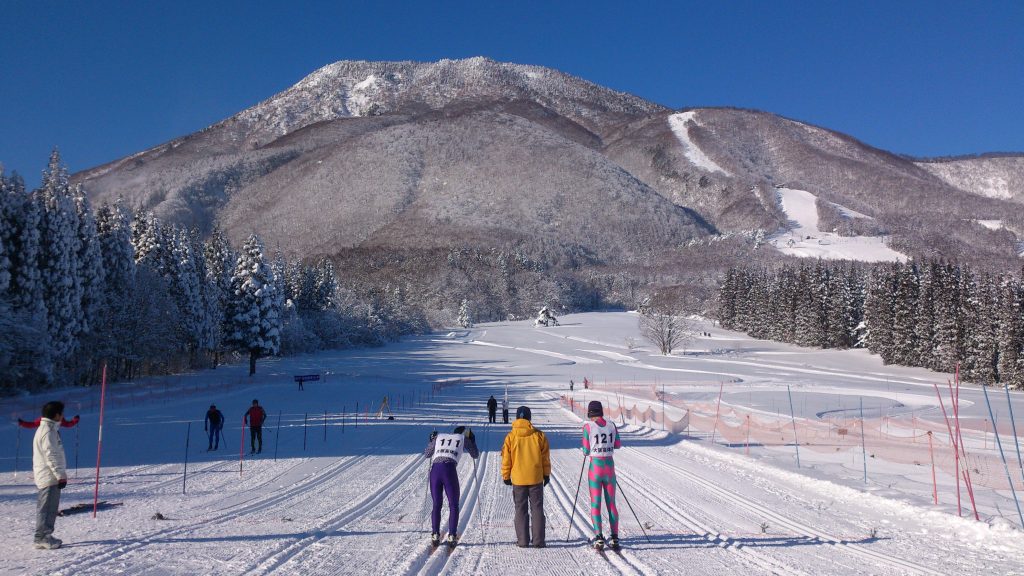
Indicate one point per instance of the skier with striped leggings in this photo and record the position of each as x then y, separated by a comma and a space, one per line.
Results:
600, 439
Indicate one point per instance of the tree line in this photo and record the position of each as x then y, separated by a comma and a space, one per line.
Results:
79, 288
932, 314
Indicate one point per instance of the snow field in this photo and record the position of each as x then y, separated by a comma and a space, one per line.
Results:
357, 503
804, 239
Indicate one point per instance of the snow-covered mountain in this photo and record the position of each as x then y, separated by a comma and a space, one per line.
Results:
996, 176
420, 155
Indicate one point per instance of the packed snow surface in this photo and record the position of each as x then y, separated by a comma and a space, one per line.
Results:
991, 224
337, 490
804, 239
680, 124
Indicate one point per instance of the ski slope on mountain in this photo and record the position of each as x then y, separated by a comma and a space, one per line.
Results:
804, 239
340, 491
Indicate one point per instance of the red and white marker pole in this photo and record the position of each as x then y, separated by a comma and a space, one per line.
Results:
99, 442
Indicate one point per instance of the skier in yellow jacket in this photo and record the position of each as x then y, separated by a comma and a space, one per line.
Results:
526, 466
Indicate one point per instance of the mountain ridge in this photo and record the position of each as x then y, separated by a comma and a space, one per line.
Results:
407, 155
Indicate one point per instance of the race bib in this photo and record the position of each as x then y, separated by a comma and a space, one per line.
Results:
602, 439
448, 446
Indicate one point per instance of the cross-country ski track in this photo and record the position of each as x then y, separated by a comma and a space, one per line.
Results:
356, 502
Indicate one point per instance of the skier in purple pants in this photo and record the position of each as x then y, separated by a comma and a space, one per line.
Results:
444, 451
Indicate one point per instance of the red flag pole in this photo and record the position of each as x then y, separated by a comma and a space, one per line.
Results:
99, 442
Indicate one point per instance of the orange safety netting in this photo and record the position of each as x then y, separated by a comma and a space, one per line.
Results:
902, 440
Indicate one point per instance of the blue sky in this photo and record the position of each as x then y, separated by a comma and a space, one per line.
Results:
101, 80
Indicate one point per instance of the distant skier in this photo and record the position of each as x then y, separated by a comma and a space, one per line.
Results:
571, 385
444, 451
255, 417
492, 410
526, 466
600, 440
49, 467
33, 424
504, 410
214, 424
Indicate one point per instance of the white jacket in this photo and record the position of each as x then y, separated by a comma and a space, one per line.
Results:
48, 463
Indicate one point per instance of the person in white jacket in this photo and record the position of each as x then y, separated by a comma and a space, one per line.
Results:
50, 470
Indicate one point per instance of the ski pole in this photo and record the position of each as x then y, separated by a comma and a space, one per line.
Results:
576, 498
617, 485
1002, 455
184, 476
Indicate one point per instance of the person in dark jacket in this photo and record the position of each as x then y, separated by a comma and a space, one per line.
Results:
214, 424
492, 410
254, 418
444, 451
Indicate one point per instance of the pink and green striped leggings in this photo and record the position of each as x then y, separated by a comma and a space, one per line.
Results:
601, 478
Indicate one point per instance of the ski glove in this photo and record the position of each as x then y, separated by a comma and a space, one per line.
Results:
508, 481
433, 435
547, 479
63, 483
469, 432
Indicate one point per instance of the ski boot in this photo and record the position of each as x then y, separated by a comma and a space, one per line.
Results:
598, 542
613, 542
435, 539
452, 541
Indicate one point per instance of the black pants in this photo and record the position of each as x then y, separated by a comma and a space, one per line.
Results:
504, 415
492, 416
256, 435
529, 505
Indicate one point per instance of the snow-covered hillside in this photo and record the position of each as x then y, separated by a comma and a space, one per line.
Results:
680, 124
804, 239
343, 493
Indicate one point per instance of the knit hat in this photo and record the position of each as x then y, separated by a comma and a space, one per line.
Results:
523, 412
459, 430
594, 409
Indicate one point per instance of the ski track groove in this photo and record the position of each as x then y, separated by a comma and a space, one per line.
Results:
233, 511
797, 526
708, 533
276, 559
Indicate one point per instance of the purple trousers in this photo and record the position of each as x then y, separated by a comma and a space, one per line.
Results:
444, 476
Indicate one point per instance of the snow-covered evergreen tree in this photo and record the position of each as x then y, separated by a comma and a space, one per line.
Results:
187, 289
254, 323
981, 354
220, 267
924, 316
58, 259
151, 243
325, 284
90, 263
948, 319
6, 233
465, 315
1010, 333
878, 312
904, 314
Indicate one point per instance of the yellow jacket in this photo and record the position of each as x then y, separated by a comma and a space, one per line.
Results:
525, 457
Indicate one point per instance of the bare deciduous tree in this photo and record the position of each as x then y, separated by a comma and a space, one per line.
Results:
666, 328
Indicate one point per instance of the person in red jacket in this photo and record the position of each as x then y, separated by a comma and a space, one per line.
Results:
33, 424
254, 418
